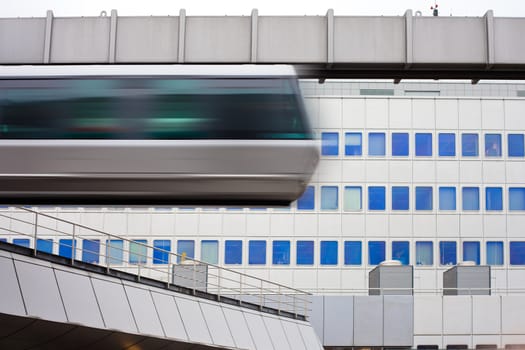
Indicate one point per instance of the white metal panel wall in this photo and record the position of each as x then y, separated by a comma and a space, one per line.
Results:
28, 50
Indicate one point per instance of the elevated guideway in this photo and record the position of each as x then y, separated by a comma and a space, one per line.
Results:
72, 300
330, 46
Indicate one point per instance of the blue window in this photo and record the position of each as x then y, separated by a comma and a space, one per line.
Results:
328, 252
353, 144
305, 252
447, 253
516, 145
329, 198
469, 145
401, 251
495, 253
185, 247
44, 245
470, 198
423, 144
493, 198
210, 251
330, 143
306, 202
517, 253
233, 252
114, 251
471, 252
376, 144
281, 253
65, 248
352, 198
493, 145
447, 145
353, 253
424, 198
138, 251
376, 198
257, 252
23, 242
424, 253
400, 144
516, 198
447, 198
400, 198
90, 250
3, 240
376, 252
161, 251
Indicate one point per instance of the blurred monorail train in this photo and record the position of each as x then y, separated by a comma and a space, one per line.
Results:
165, 134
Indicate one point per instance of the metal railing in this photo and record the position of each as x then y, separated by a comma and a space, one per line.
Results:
45, 233
461, 291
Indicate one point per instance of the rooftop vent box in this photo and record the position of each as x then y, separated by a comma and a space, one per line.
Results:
390, 278
467, 278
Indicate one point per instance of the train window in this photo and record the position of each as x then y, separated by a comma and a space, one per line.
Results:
494, 253
376, 252
305, 252
233, 252
329, 198
424, 253
330, 143
517, 253
329, 252
44, 245
423, 144
401, 252
3, 239
353, 253
376, 198
257, 252
353, 198
307, 200
493, 198
400, 144
210, 251
493, 145
90, 251
447, 144
23, 242
138, 251
115, 251
447, 253
470, 198
471, 252
447, 198
469, 145
400, 198
353, 144
65, 248
424, 198
516, 145
376, 144
516, 198
161, 251
185, 247
281, 252
427, 347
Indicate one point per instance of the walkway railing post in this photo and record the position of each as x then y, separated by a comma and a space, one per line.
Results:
73, 245
35, 234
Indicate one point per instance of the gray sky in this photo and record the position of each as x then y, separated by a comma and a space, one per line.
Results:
37, 8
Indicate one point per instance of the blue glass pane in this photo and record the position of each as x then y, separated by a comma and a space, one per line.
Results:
469, 145
210, 251
90, 250
493, 145
400, 198
233, 252
494, 253
423, 198
330, 143
401, 252
65, 248
447, 198
329, 198
305, 252
494, 198
516, 198
516, 145
353, 253
114, 251
281, 253
3, 240
470, 198
44, 245
353, 144
161, 251
471, 252
257, 252
328, 252
447, 145
517, 253
376, 252
376, 198
447, 253
186, 247
306, 202
138, 251
352, 199
424, 253
423, 144
23, 242
376, 144
400, 144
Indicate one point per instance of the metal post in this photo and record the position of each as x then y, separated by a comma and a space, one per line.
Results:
219, 285
168, 272
194, 278
73, 246
35, 234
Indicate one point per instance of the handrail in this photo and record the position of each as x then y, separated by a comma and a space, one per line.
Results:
175, 269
